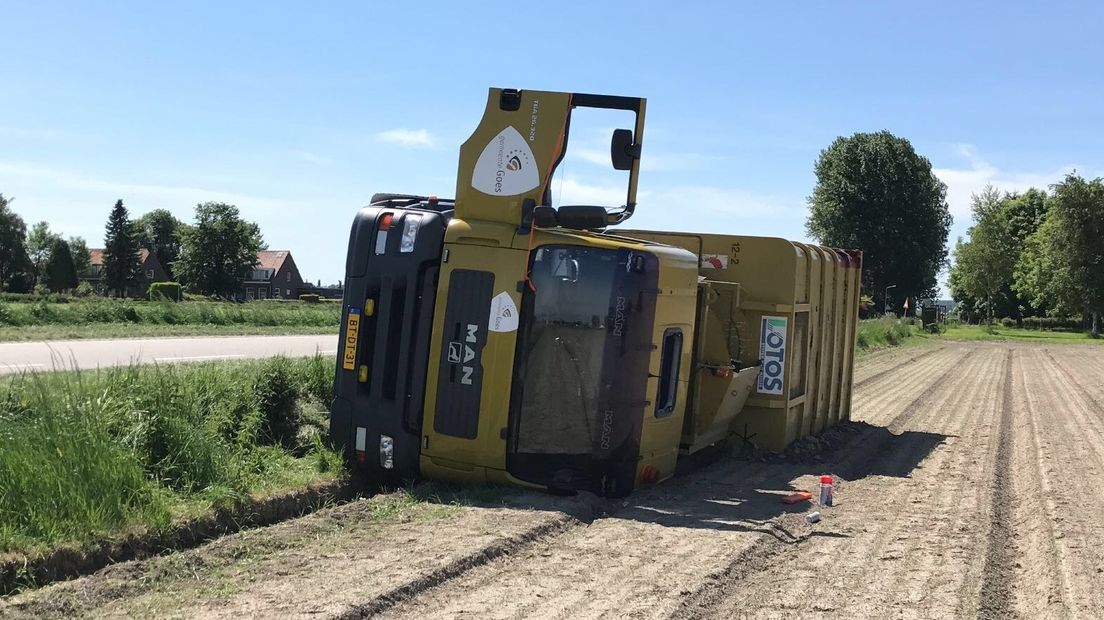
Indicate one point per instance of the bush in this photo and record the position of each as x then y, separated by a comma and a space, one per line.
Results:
1008, 322
16, 297
276, 392
886, 331
310, 298
165, 291
84, 289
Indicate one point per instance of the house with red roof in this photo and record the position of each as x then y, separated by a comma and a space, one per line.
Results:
151, 271
275, 276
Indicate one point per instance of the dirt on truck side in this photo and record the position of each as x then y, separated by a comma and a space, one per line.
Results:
967, 486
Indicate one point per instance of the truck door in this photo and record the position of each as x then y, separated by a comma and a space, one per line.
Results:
471, 361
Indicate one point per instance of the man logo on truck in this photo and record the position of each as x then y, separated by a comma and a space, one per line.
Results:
463, 353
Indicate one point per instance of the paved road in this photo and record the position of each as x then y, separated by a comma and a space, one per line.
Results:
59, 354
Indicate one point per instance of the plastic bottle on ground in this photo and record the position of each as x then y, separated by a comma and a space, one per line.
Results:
826, 490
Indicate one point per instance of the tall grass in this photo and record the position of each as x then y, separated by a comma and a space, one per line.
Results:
94, 311
882, 332
85, 454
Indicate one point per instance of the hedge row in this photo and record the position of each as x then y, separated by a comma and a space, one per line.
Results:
103, 310
1052, 322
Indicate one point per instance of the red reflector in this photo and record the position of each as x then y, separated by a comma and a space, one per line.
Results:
649, 474
385, 221
361, 456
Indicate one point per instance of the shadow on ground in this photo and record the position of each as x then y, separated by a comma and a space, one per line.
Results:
735, 492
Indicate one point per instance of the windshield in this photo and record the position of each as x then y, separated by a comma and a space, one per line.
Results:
582, 366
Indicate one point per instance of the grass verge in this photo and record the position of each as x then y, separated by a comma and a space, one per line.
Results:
122, 330
1012, 334
105, 318
85, 455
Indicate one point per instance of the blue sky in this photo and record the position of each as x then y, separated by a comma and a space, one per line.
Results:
299, 114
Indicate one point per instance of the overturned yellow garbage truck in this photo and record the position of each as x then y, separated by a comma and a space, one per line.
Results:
496, 338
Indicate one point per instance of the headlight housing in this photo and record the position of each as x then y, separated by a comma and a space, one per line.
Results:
411, 224
387, 452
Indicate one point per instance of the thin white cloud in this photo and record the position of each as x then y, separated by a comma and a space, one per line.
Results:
39, 133
649, 162
570, 191
727, 201
688, 200
962, 183
149, 196
313, 158
408, 138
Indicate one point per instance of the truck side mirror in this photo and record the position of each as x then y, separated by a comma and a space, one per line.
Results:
622, 149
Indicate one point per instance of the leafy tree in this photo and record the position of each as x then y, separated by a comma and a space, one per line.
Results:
983, 265
82, 259
875, 193
218, 251
1062, 265
1025, 213
120, 257
61, 274
158, 232
14, 261
1007, 220
39, 243
966, 305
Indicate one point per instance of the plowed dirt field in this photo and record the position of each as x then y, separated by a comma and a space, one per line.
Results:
969, 486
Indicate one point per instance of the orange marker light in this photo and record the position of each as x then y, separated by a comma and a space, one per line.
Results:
385, 221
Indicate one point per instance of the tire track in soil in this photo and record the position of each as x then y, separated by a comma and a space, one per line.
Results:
1043, 584
1075, 383
1096, 369
880, 406
1088, 425
995, 600
322, 564
934, 516
571, 555
931, 494
541, 533
877, 565
757, 558
882, 373
714, 597
865, 458
1070, 425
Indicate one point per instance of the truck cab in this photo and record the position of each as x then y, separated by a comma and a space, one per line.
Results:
492, 338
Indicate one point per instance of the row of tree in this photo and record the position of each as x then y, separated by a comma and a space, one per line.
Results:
1035, 253
210, 256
